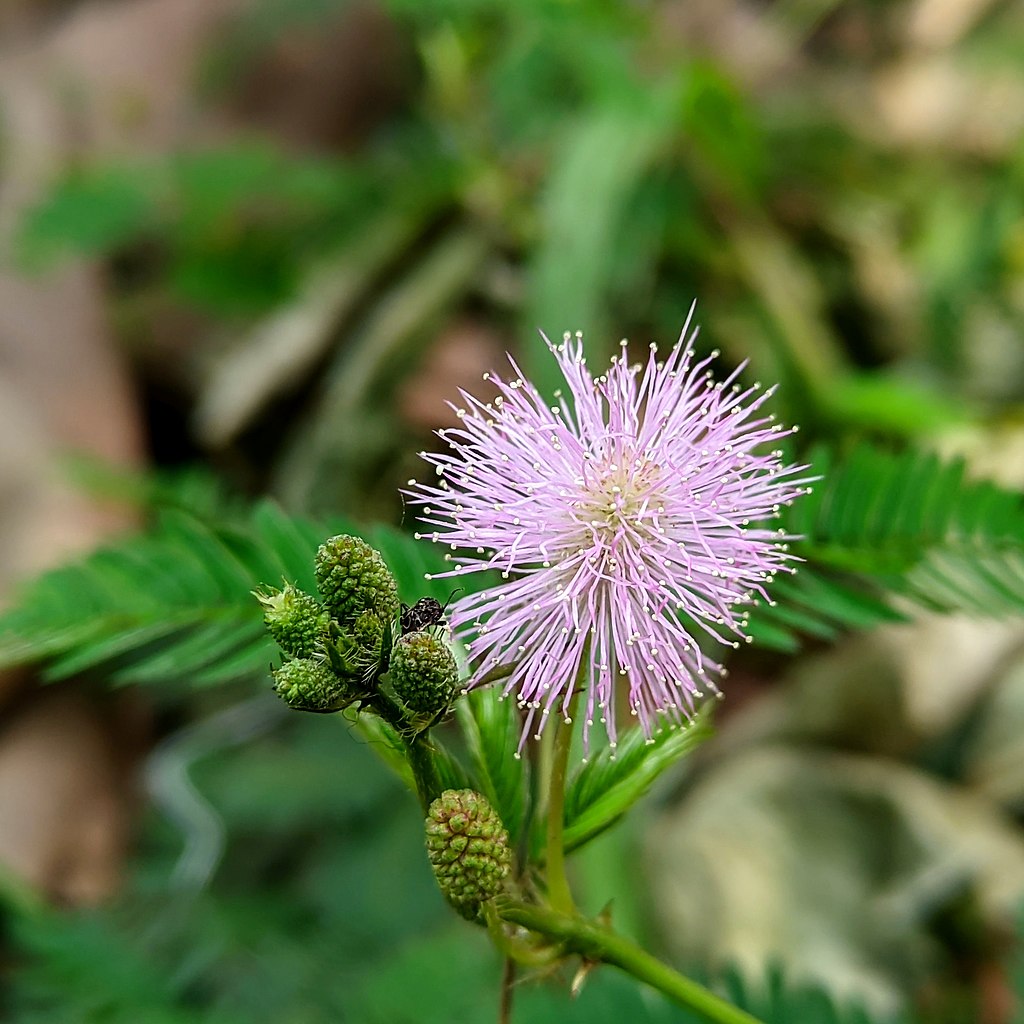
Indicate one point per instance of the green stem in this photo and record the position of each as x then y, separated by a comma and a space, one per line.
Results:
508, 978
424, 770
523, 951
496, 675
418, 750
559, 893
598, 943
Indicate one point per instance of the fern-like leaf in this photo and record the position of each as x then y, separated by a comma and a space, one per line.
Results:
492, 727
881, 525
606, 786
175, 603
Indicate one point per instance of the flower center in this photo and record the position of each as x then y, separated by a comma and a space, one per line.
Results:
619, 502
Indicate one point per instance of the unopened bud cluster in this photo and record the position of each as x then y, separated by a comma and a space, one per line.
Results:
468, 849
345, 646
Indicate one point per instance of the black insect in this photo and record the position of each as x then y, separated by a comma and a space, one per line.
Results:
426, 612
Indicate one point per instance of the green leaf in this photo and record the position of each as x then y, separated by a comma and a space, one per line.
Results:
492, 730
607, 785
602, 160
881, 525
885, 404
89, 211
386, 744
78, 968
452, 772
175, 604
772, 999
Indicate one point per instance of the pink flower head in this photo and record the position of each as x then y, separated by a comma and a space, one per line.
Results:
625, 519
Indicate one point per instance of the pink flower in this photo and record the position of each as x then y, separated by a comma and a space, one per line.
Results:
626, 520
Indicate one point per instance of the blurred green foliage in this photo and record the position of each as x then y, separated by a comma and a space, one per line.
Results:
232, 226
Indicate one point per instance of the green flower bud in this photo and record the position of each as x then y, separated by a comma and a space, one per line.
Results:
356, 653
468, 849
294, 619
353, 579
367, 632
423, 675
308, 684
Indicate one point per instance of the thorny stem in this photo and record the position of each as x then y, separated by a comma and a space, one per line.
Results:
598, 943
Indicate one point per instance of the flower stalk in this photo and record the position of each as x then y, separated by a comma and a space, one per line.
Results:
597, 942
424, 769
559, 892
558, 883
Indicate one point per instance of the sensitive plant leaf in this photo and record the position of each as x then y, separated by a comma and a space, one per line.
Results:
77, 967
289, 541
880, 525
611, 782
413, 987
492, 729
773, 999
175, 603
884, 404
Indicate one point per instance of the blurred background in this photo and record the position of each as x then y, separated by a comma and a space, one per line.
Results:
256, 244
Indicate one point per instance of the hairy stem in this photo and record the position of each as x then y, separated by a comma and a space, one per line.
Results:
596, 942
496, 675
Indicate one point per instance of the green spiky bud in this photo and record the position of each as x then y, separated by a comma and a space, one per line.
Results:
352, 579
367, 632
308, 684
356, 653
423, 675
468, 849
294, 619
